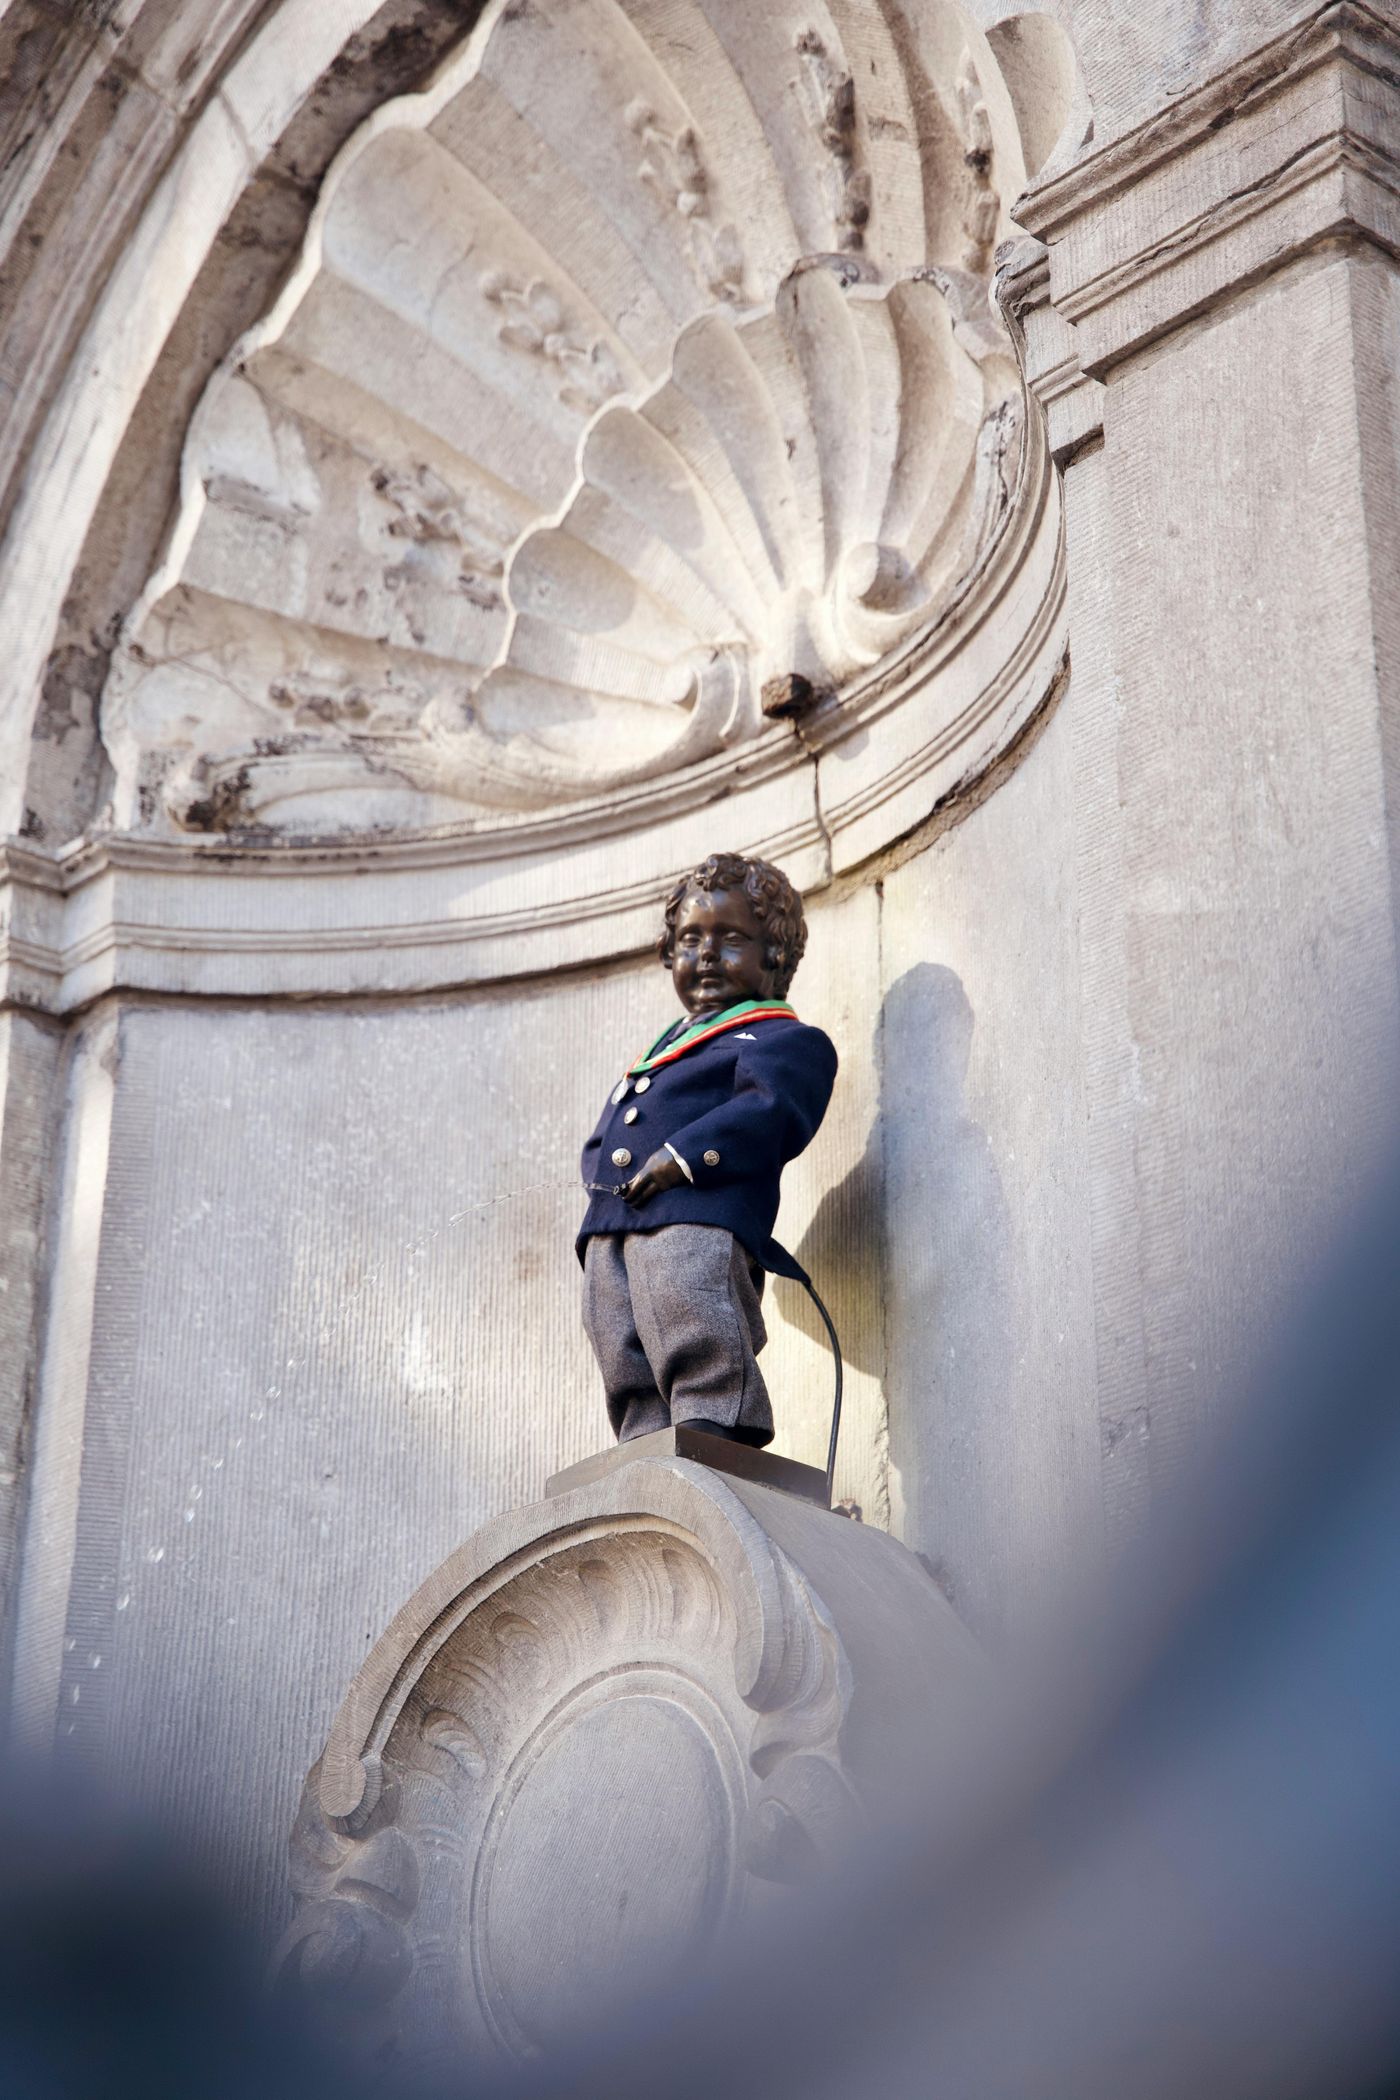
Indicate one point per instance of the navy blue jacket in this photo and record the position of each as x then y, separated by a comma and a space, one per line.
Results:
737, 1108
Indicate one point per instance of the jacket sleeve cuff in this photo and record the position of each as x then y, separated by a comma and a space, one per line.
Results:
683, 1164
704, 1148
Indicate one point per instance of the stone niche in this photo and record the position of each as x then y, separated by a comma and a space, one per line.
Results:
607, 1731
588, 484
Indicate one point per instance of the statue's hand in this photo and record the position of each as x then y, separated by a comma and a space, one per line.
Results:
659, 1174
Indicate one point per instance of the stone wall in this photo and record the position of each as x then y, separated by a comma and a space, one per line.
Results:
1110, 957
368, 1322
1137, 58
322, 1323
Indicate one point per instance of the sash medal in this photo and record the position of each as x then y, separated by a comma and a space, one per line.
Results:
732, 1017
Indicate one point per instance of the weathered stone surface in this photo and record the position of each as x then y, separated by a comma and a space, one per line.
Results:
1291, 148
1117, 1016
86, 334
1219, 269
313, 653
328, 643
354, 1231
600, 1735
31, 1055
65, 1429
990, 1381
1135, 58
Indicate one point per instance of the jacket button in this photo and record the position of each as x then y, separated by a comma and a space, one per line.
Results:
712, 1159
622, 1157
642, 1085
631, 1115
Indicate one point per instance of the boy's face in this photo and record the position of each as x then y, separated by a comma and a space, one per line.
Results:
721, 953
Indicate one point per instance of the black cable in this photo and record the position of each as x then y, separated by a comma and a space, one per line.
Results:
830, 1325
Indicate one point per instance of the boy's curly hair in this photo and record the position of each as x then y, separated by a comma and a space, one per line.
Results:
776, 906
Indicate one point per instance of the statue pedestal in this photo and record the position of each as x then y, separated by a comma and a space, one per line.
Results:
606, 1729
760, 1468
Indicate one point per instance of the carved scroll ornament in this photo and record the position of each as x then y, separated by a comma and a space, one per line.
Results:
635, 1671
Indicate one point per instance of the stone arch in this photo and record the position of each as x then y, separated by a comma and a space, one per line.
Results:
160, 165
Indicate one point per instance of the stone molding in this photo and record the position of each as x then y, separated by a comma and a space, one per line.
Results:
1071, 403
458, 906
1294, 146
662, 1658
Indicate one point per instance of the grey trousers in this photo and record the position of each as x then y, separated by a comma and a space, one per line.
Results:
676, 1324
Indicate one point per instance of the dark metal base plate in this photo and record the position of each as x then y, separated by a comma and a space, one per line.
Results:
741, 1460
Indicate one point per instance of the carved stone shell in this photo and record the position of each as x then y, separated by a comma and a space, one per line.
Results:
644, 360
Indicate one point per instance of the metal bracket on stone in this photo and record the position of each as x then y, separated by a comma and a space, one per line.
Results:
788, 699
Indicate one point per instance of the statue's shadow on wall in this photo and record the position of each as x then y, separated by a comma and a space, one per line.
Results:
920, 1224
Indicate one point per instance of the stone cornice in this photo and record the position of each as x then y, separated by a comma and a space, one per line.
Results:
1296, 145
1071, 403
1344, 28
120, 915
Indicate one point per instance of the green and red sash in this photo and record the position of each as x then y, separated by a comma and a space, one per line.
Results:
732, 1017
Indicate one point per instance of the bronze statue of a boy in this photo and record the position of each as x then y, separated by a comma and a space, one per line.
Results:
675, 1256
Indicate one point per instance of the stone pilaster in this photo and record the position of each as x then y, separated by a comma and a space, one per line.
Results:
1214, 332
